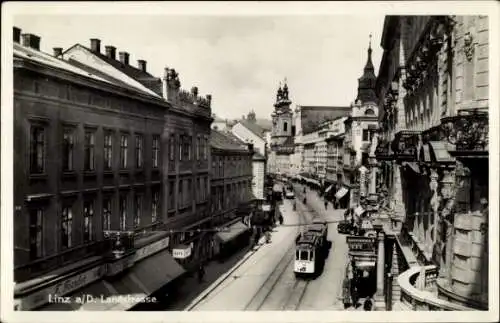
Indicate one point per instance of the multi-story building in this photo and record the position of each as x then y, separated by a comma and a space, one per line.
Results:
90, 194
361, 125
433, 150
231, 182
334, 157
313, 125
249, 131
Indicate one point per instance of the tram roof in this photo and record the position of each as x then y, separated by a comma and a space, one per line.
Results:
308, 238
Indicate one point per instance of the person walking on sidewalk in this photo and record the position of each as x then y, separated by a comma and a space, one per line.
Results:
201, 272
326, 204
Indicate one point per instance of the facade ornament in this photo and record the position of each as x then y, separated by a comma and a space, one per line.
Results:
469, 46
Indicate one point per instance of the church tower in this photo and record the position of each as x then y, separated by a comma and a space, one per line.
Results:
281, 117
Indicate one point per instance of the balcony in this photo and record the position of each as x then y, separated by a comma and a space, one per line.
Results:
468, 131
383, 152
405, 145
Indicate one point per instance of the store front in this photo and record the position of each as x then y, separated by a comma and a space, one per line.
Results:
142, 286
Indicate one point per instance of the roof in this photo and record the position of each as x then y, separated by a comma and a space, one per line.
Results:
253, 127
128, 74
312, 116
46, 59
226, 141
265, 124
367, 82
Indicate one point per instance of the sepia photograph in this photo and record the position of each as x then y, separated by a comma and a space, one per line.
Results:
249, 161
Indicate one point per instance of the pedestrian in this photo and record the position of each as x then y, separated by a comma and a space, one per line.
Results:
295, 205
326, 204
201, 273
368, 305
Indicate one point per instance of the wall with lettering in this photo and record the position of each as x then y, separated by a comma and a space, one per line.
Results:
258, 179
64, 287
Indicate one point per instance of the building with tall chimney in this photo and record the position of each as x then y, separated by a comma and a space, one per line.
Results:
282, 133
112, 177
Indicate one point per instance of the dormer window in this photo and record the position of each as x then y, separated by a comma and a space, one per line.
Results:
369, 112
285, 126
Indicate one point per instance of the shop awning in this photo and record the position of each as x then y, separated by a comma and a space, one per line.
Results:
156, 271
329, 188
413, 166
234, 230
341, 192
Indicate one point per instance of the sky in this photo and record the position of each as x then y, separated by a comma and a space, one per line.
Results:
240, 60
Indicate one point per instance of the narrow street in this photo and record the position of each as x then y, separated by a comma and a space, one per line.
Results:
266, 280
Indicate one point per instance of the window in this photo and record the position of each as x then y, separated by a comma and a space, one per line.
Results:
156, 151
36, 233
285, 126
198, 147
89, 163
198, 190
205, 148
123, 212
171, 195
123, 151
171, 147
187, 147
155, 200
304, 255
181, 142
366, 135
180, 197
37, 150
138, 151
68, 148
106, 214
189, 193
88, 218
108, 151
66, 226
138, 211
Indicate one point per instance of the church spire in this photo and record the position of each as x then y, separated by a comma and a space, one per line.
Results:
366, 83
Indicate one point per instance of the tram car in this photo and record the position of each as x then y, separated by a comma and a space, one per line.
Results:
321, 226
309, 254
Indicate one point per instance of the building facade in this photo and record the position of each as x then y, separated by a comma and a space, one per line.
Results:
231, 186
433, 152
91, 199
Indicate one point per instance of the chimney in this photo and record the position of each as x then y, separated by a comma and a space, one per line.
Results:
111, 52
57, 51
95, 45
17, 35
124, 58
30, 40
142, 65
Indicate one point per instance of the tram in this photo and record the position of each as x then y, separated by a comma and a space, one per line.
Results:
309, 254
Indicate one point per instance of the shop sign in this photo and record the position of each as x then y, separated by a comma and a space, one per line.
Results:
181, 253
363, 244
62, 288
151, 249
266, 207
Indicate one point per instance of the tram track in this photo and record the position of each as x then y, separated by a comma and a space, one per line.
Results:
297, 291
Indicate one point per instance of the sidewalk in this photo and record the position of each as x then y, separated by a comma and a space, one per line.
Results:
191, 287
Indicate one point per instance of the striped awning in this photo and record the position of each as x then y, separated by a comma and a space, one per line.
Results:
341, 192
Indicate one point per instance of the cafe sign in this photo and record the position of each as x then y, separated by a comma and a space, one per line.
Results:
181, 252
62, 288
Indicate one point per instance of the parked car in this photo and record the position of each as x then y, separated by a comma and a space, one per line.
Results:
345, 227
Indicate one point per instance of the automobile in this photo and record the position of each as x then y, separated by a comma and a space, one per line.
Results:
290, 195
345, 227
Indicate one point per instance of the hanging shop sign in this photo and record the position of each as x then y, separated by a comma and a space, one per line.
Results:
181, 252
341, 193
361, 245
